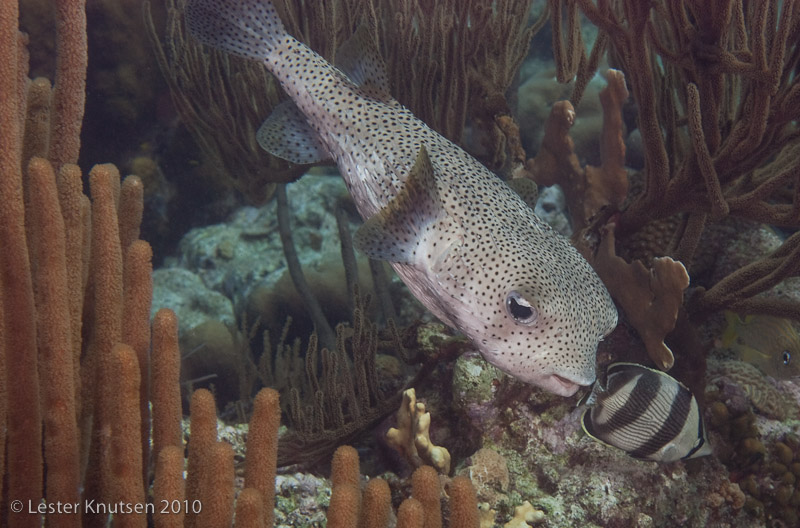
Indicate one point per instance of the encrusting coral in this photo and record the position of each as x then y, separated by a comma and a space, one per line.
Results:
764, 395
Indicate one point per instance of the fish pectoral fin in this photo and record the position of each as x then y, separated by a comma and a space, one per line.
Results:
287, 135
396, 232
358, 58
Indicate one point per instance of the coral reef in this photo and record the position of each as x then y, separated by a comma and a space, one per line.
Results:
759, 451
575, 481
765, 396
90, 394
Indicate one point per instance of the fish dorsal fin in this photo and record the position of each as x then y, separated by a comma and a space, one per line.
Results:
526, 189
287, 135
360, 61
590, 398
394, 232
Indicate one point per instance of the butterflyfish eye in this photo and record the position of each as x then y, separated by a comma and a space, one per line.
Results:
520, 309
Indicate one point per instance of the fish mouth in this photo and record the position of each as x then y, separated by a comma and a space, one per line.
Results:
561, 386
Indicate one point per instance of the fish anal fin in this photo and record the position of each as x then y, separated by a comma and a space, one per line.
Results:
287, 135
359, 59
395, 232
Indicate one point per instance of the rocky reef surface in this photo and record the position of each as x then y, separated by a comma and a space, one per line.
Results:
522, 448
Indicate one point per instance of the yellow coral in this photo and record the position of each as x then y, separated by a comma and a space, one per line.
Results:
486, 515
524, 516
412, 437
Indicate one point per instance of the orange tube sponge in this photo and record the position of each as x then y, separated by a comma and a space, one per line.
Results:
216, 490
165, 389
137, 283
203, 437
23, 421
463, 503
126, 455
131, 209
376, 503
70, 195
69, 93
345, 502
250, 509
425, 487
106, 271
344, 467
169, 488
46, 230
410, 514
344, 506
262, 449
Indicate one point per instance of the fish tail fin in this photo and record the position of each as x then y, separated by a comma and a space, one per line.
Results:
248, 28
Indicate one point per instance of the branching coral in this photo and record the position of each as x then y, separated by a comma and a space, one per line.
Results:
222, 100
412, 438
587, 189
716, 93
461, 58
525, 515
650, 298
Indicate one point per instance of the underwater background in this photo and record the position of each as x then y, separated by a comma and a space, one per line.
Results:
660, 136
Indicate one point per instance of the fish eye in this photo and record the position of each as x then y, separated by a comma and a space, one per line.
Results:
520, 309
787, 357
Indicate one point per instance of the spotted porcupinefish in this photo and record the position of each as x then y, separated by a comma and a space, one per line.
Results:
464, 243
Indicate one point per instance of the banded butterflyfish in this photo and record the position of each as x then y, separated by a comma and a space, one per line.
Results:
647, 413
